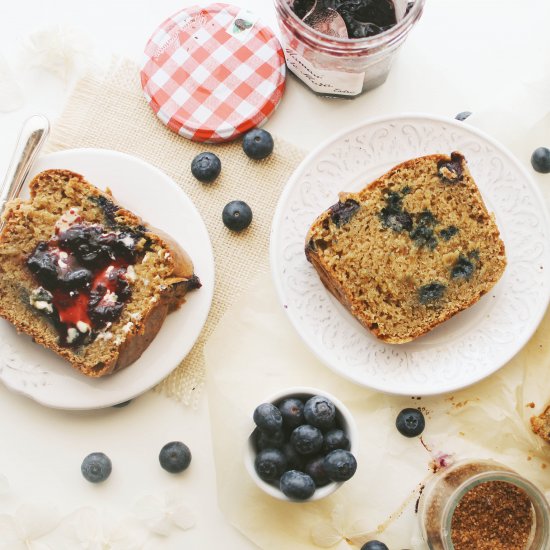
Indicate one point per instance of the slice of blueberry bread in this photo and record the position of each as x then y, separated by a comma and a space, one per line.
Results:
541, 424
85, 277
411, 249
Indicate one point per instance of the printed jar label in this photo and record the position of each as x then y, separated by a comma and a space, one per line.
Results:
322, 80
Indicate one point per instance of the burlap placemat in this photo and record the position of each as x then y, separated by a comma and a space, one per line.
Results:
109, 111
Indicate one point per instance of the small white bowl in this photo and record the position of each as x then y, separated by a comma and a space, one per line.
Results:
343, 419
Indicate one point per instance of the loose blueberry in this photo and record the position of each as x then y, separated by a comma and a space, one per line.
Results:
540, 160
258, 144
96, 467
306, 439
336, 439
270, 464
374, 545
410, 422
237, 215
206, 167
292, 410
340, 465
320, 412
463, 115
297, 485
268, 418
175, 457
316, 469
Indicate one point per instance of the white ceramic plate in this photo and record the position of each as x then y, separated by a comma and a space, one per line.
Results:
40, 374
471, 345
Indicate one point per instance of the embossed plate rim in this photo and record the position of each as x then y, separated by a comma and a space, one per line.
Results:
278, 268
151, 194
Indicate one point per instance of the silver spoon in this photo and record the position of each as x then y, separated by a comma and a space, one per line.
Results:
33, 135
326, 21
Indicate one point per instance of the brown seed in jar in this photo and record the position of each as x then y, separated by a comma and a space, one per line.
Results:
495, 515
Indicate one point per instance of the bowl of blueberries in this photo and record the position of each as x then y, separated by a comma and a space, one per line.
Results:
302, 445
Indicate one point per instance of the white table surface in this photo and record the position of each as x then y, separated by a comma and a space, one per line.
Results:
464, 55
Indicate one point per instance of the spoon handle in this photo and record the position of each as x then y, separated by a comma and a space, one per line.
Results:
311, 10
33, 135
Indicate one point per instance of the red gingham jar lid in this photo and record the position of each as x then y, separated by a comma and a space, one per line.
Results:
213, 73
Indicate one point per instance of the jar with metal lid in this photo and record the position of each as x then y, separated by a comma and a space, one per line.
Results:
484, 505
343, 67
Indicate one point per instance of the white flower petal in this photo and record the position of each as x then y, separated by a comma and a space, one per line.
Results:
80, 530
34, 521
58, 49
126, 536
183, 517
173, 499
150, 510
148, 507
161, 526
360, 528
86, 525
325, 535
338, 517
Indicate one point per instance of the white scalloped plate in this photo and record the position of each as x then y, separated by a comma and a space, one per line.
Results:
471, 345
38, 373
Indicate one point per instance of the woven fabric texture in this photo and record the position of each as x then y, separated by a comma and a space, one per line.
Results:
109, 111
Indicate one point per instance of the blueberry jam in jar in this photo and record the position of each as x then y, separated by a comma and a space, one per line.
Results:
343, 48
83, 273
362, 18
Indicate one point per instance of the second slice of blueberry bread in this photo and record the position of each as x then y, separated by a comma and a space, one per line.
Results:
411, 249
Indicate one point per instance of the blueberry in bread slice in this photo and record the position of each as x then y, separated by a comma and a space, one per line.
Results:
411, 249
85, 277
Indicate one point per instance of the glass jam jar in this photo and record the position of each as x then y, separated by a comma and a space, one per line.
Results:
483, 504
342, 67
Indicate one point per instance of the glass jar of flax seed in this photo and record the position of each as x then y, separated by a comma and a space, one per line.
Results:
483, 505
339, 66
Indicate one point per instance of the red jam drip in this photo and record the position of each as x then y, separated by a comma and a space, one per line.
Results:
84, 268
72, 305
71, 309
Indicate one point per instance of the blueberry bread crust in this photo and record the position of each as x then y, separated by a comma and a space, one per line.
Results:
70, 242
411, 249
